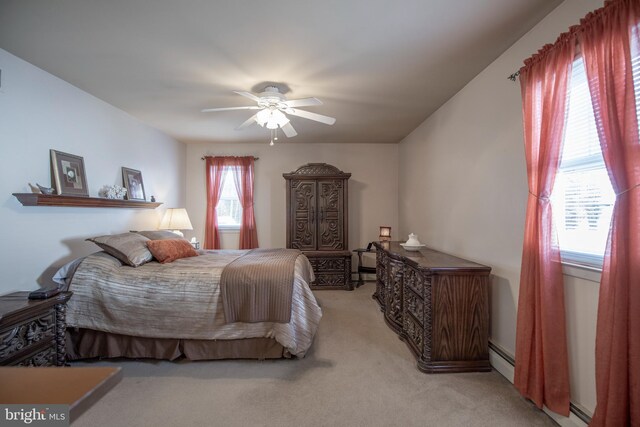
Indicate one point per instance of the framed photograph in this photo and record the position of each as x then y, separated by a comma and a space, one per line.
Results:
68, 174
133, 183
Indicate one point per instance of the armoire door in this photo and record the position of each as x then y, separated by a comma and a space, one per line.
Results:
303, 213
331, 214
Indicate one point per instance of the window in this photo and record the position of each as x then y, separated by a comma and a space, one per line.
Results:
582, 197
229, 209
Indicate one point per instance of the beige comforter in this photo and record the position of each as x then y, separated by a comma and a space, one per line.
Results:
181, 300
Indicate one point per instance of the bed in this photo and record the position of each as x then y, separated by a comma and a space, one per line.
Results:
174, 310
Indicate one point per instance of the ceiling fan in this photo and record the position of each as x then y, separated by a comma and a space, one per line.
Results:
274, 108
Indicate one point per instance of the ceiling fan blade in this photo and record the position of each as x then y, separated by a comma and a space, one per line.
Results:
311, 116
288, 130
251, 120
304, 102
211, 110
247, 94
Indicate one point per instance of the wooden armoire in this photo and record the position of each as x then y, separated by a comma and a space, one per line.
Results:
317, 222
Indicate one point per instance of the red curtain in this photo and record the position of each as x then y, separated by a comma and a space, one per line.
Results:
541, 371
215, 177
609, 41
243, 178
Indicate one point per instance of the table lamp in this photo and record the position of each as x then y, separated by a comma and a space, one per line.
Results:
176, 219
385, 233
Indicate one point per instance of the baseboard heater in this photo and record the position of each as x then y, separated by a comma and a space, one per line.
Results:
575, 409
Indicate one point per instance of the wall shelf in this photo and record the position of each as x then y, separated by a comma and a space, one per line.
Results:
33, 199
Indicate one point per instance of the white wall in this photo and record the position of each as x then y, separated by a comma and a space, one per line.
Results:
463, 189
373, 199
39, 112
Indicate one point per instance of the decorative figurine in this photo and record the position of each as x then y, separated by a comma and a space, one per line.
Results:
45, 190
112, 192
153, 199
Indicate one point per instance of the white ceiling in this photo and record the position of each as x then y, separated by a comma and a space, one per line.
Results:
380, 67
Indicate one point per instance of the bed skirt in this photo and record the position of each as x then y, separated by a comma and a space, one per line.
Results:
88, 344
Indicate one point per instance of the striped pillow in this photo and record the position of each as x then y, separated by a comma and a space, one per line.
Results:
130, 248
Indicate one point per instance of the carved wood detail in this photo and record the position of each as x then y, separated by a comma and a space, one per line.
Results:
330, 271
330, 279
32, 332
46, 357
61, 329
317, 221
304, 230
330, 209
26, 334
381, 271
414, 333
393, 291
330, 264
428, 320
414, 305
318, 169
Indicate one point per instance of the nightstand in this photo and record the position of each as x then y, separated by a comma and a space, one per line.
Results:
361, 267
32, 332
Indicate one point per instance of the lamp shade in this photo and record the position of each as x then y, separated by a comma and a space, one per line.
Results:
176, 219
385, 233
262, 116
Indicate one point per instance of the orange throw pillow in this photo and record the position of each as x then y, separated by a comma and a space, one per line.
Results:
169, 250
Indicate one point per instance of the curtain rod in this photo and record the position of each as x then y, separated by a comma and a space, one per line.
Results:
514, 76
205, 157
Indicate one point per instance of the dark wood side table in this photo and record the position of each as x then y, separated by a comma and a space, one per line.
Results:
361, 268
32, 332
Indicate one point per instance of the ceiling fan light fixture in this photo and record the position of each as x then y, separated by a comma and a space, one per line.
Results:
263, 116
279, 118
274, 108
271, 118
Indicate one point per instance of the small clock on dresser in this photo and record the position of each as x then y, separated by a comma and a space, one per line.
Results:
32, 332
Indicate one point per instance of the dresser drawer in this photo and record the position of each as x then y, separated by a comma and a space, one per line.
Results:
416, 280
393, 293
332, 270
332, 280
321, 265
381, 279
414, 333
414, 306
28, 333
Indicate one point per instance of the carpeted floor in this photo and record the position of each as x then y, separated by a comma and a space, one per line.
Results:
357, 373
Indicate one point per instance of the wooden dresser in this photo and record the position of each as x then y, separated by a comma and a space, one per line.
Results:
317, 222
438, 304
32, 332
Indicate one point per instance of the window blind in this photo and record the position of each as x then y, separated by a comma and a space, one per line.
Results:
582, 197
229, 209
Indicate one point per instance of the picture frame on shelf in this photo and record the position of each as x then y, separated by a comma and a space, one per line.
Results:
132, 179
68, 174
